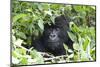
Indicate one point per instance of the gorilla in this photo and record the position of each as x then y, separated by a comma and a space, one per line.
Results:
54, 36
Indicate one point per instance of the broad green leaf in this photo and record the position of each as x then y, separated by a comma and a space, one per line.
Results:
15, 60
76, 58
13, 38
21, 35
76, 46
78, 8
31, 28
37, 57
72, 36
22, 51
31, 61
82, 14
93, 7
71, 56
18, 16
86, 43
18, 42
48, 12
74, 27
40, 7
36, 32
24, 61
84, 56
29, 10
93, 53
70, 51
14, 54
52, 19
65, 46
40, 24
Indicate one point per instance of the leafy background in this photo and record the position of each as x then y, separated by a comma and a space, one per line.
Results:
28, 20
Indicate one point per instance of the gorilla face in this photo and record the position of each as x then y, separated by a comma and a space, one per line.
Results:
52, 37
52, 34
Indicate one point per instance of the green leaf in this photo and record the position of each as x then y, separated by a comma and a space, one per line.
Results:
71, 56
92, 52
18, 42
52, 19
15, 60
29, 10
70, 51
37, 57
21, 34
36, 32
65, 46
76, 46
24, 60
86, 43
14, 54
84, 56
72, 36
13, 38
93, 7
78, 8
22, 51
40, 7
48, 12
40, 24
76, 57
18, 16
74, 27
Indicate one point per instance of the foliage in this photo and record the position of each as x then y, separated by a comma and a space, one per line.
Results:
28, 19
84, 44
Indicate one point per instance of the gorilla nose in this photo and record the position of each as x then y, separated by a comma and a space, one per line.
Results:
53, 35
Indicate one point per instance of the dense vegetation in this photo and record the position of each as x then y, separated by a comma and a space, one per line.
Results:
28, 19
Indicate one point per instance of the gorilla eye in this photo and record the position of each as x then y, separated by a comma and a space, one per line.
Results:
57, 29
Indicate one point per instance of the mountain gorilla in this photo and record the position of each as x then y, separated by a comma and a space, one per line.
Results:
54, 36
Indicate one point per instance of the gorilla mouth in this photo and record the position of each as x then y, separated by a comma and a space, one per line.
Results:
53, 41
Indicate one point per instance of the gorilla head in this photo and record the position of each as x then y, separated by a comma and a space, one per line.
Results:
52, 37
